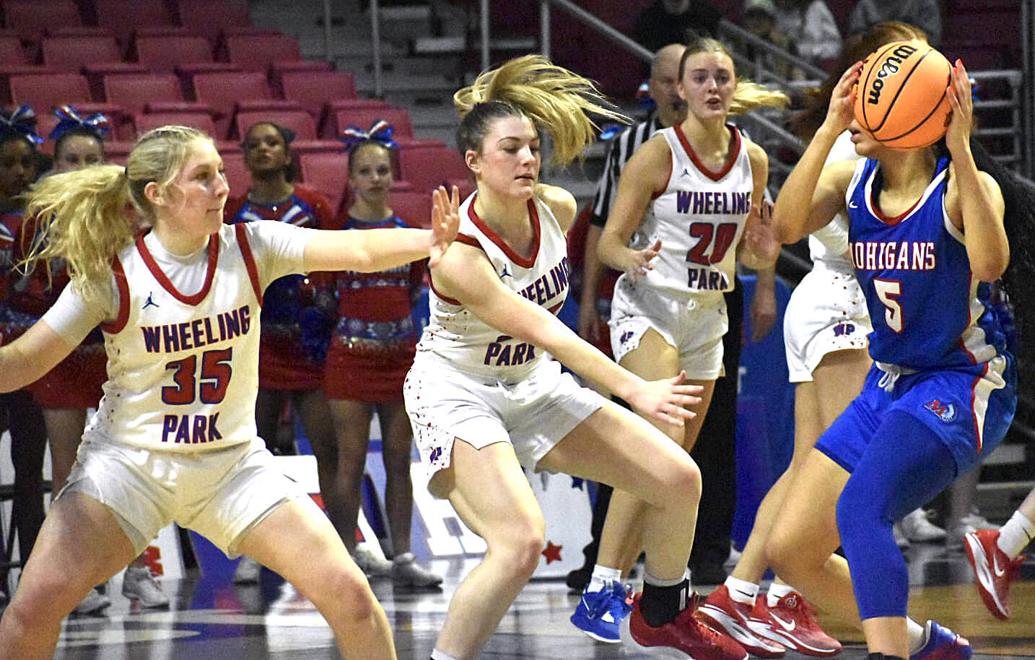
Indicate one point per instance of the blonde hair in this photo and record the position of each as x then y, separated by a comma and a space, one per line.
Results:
84, 215
748, 95
554, 98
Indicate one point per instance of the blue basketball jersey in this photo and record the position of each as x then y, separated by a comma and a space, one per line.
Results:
916, 276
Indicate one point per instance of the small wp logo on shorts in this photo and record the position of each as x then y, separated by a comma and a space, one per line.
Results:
945, 411
626, 336
436, 454
843, 329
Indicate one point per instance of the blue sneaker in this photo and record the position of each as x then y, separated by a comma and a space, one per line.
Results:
599, 613
942, 644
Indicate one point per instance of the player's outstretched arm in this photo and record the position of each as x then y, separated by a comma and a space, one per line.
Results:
465, 275
381, 249
29, 357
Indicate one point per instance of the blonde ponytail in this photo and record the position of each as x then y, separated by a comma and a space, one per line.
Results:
554, 98
82, 218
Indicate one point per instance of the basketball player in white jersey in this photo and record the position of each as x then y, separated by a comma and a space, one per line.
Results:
684, 202
485, 399
174, 438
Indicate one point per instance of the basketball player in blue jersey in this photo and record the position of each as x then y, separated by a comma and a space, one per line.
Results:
174, 438
925, 227
485, 397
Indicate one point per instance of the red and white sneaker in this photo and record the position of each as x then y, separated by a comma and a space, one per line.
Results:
793, 624
685, 636
993, 570
730, 618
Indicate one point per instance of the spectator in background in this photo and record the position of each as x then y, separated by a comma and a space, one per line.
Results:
19, 160
810, 28
294, 341
760, 20
371, 350
673, 21
925, 14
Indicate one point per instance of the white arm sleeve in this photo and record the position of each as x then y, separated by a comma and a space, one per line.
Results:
74, 316
278, 248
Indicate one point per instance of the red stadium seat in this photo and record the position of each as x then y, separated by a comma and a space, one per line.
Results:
281, 67
163, 54
125, 16
315, 89
117, 152
327, 172
209, 18
429, 166
8, 71
133, 93
255, 52
412, 206
70, 53
298, 121
31, 18
44, 91
363, 118
223, 90
237, 174
199, 120
11, 50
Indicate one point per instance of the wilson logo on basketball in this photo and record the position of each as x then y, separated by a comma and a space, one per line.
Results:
889, 68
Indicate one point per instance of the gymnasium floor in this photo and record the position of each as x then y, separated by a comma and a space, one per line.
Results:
225, 622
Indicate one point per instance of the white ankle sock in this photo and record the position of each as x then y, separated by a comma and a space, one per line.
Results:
1016, 534
602, 577
776, 592
441, 655
917, 635
741, 591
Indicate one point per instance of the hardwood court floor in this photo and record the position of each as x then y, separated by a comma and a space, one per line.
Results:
224, 622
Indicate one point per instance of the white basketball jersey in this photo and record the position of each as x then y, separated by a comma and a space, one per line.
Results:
828, 246
468, 343
699, 218
183, 366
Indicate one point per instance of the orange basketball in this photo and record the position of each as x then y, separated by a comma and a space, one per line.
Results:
901, 99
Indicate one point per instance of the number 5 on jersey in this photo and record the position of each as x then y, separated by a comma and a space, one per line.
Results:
889, 292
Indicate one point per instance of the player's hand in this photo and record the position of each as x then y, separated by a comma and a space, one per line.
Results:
666, 400
957, 137
760, 235
842, 100
640, 262
445, 221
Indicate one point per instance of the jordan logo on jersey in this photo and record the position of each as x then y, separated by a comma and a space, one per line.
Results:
506, 272
945, 411
149, 302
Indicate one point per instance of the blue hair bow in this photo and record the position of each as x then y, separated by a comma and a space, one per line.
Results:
380, 131
69, 119
21, 120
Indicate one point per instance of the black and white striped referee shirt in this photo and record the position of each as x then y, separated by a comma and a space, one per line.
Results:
619, 153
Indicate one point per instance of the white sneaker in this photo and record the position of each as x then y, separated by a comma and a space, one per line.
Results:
94, 602
370, 563
406, 572
138, 584
247, 571
900, 539
977, 521
917, 528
